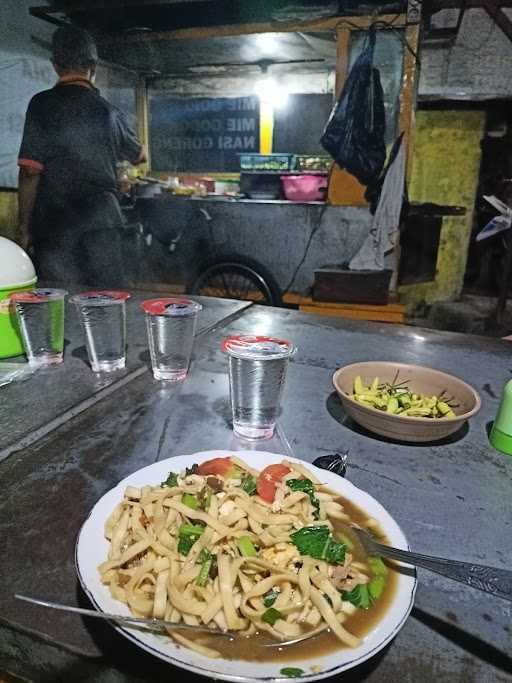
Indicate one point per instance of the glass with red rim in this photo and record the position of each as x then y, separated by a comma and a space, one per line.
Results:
40, 316
103, 317
171, 325
257, 374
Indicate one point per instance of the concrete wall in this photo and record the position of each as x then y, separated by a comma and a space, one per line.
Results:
477, 66
446, 166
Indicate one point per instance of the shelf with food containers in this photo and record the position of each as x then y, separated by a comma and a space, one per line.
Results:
300, 178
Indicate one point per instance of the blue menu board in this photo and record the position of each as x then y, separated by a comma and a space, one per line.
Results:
202, 134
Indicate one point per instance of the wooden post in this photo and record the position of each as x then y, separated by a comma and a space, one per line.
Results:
142, 113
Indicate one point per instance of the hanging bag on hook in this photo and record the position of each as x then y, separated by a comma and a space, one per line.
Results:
354, 133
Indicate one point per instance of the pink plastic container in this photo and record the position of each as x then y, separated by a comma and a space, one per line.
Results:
305, 188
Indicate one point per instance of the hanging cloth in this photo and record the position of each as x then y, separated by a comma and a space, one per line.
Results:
383, 235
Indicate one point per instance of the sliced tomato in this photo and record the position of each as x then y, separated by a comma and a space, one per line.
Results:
267, 480
217, 466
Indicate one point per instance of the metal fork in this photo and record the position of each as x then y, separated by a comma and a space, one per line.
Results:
154, 624
489, 579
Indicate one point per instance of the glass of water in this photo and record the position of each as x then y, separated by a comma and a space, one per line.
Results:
40, 315
257, 373
171, 326
103, 317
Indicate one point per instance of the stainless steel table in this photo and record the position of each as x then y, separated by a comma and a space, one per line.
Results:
451, 499
54, 395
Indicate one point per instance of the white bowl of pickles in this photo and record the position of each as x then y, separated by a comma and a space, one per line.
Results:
405, 402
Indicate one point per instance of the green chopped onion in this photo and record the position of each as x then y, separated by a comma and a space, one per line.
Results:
204, 572
292, 672
271, 615
270, 598
246, 546
204, 555
190, 501
172, 480
191, 530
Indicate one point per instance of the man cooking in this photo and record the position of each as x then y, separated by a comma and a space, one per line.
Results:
72, 141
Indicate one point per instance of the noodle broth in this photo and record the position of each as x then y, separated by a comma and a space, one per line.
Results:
360, 623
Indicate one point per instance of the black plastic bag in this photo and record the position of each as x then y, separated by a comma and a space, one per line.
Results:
354, 133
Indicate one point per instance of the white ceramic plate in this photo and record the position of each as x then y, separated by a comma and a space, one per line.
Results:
92, 548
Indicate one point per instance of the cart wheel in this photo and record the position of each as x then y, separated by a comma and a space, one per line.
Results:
237, 277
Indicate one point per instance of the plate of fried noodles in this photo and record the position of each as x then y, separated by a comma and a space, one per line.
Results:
252, 544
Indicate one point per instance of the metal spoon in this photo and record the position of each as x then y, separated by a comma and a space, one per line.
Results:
489, 579
156, 624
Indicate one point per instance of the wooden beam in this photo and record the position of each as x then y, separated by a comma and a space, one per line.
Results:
331, 24
86, 5
495, 11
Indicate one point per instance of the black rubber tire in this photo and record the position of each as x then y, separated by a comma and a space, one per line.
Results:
236, 277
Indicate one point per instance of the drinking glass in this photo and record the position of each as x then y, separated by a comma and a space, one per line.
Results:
40, 314
257, 373
103, 317
171, 325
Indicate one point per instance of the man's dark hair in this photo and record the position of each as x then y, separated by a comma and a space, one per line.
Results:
73, 48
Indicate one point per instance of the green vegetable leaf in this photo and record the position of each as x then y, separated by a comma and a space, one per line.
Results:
317, 542
292, 672
188, 535
249, 484
270, 598
271, 615
376, 586
377, 566
335, 553
185, 543
172, 480
358, 596
308, 487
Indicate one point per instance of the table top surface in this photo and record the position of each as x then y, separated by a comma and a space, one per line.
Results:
452, 499
56, 393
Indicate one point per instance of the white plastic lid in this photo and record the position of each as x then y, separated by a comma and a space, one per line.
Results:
16, 268
257, 347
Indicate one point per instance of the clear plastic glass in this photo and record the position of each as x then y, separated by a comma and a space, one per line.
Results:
257, 374
41, 321
103, 319
256, 387
171, 338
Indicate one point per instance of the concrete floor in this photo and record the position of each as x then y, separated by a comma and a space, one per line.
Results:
471, 314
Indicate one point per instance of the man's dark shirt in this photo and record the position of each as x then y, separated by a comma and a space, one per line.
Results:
75, 138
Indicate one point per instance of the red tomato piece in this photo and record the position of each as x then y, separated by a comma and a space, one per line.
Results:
267, 480
217, 466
